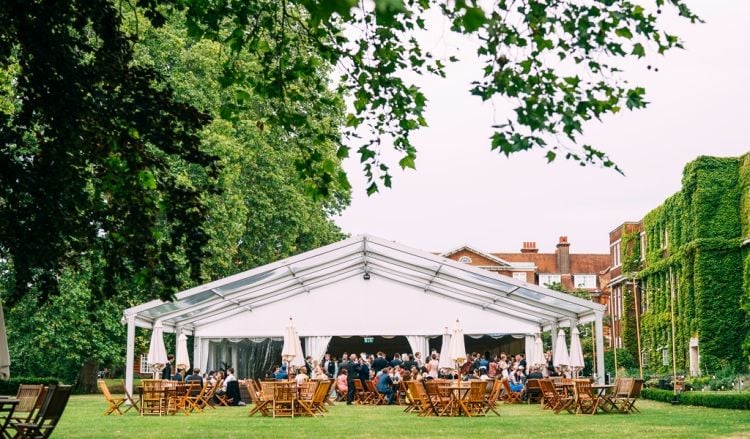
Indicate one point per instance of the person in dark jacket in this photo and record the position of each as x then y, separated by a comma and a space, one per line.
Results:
352, 373
379, 363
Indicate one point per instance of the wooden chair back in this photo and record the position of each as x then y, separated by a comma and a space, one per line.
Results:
533, 391
284, 394
421, 399
30, 396
49, 414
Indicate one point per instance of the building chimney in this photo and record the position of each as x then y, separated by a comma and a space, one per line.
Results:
563, 255
529, 247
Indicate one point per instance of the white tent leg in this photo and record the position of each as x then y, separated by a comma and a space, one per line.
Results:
599, 330
130, 354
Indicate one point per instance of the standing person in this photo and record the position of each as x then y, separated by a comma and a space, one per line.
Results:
418, 359
379, 363
329, 366
396, 360
342, 384
364, 372
352, 373
434, 364
166, 373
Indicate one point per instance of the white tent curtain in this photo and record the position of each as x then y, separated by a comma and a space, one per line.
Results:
315, 346
419, 343
529, 348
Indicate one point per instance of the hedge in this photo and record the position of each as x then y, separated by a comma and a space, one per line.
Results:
10, 386
719, 400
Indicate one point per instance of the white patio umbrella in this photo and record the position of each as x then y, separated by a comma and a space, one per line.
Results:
4, 355
290, 350
299, 360
182, 360
457, 347
560, 357
539, 359
445, 357
576, 353
157, 354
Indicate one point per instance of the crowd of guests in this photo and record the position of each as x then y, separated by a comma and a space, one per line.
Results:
388, 373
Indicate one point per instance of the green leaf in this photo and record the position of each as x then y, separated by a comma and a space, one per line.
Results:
638, 50
407, 162
624, 32
473, 19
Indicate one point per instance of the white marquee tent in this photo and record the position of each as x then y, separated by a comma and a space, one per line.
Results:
352, 276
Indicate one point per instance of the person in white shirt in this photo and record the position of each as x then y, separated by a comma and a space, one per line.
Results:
302, 376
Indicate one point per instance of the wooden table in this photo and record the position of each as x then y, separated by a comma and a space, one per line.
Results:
457, 392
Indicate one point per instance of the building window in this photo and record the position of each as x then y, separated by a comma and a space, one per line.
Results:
615, 250
665, 357
519, 275
644, 358
549, 279
665, 238
643, 246
145, 367
584, 280
464, 260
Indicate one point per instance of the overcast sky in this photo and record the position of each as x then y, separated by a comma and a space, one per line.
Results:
462, 193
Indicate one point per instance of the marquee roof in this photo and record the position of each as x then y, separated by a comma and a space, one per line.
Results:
364, 285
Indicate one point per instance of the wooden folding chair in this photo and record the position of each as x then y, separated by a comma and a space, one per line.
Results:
475, 403
533, 391
585, 400
361, 394
553, 400
153, 402
208, 395
626, 404
48, 415
114, 404
30, 397
260, 405
284, 395
511, 397
376, 397
441, 398
321, 396
422, 401
305, 398
133, 403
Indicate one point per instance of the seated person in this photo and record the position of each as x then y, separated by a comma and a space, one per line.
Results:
517, 380
385, 384
302, 376
196, 376
281, 374
342, 387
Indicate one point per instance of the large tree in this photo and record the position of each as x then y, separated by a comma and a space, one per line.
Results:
89, 136
260, 213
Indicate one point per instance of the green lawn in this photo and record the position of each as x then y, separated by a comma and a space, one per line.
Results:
83, 419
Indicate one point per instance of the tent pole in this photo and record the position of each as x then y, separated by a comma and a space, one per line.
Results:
130, 354
599, 329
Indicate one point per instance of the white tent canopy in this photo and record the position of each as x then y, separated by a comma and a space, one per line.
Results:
362, 269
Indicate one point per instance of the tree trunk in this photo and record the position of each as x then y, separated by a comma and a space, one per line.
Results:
87, 376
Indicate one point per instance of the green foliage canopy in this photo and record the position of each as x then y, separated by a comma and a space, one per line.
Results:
89, 136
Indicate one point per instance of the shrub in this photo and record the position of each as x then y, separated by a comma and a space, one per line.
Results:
721, 400
10, 386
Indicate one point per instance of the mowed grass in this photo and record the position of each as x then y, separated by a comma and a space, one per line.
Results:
83, 419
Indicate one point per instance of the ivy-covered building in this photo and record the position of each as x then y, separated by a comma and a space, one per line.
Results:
682, 274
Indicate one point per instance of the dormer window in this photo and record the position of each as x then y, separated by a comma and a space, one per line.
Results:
464, 260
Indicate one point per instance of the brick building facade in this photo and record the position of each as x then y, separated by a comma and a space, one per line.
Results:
574, 271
